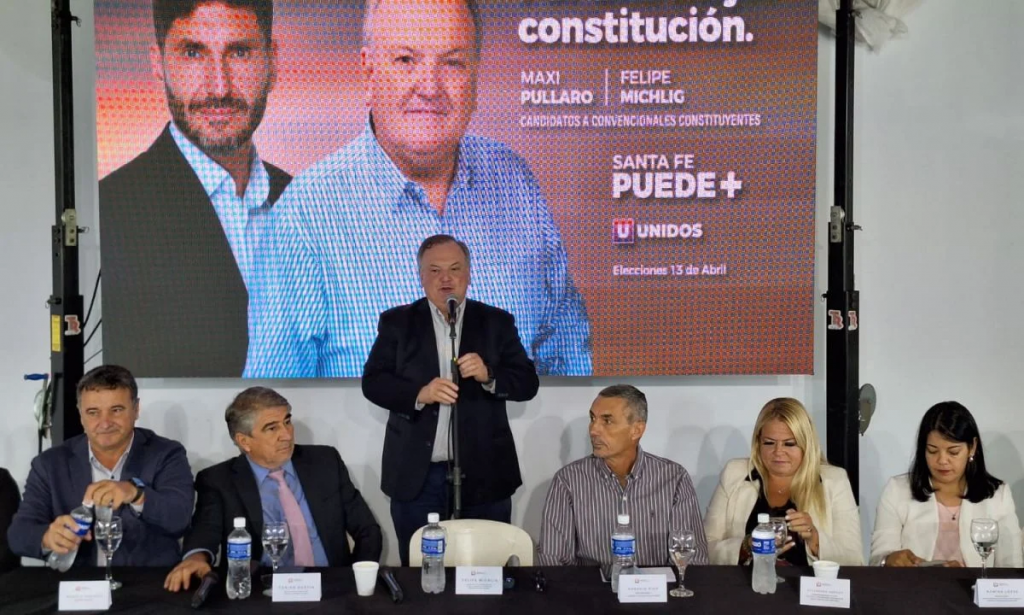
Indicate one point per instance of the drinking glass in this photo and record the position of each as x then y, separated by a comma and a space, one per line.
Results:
984, 535
275, 543
781, 530
682, 546
109, 534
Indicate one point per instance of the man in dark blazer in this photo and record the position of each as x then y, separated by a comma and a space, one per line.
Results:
185, 224
259, 484
9, 500
409, 373
145, 478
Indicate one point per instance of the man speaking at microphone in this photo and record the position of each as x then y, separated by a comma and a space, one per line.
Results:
410, 373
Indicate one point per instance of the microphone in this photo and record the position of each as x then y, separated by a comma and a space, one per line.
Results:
509, 582
540, 582
393, 587
453, 303
209, 580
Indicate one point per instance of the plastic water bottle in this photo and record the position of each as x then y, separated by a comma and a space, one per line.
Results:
762, 545
83, 519
239, 553
623, 550
432, 547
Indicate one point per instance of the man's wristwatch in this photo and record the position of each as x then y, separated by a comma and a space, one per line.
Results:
490, 376
140, 489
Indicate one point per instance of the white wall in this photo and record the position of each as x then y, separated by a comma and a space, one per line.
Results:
940, 178
939, 161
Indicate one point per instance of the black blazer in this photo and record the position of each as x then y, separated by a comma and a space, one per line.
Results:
404, 359
228, 490
174, 303
9, 500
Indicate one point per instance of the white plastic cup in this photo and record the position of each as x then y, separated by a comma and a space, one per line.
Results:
366, 577
824, 569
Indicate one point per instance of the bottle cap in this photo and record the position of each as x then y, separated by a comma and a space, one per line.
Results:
762, 517
433, 518
623, 519
239, 522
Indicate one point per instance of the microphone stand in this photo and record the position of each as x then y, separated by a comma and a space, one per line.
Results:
456, 471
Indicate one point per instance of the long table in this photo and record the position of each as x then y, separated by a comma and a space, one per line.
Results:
718, 589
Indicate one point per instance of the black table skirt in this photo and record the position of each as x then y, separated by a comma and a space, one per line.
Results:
718, 589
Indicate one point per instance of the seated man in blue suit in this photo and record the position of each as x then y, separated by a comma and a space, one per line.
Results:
9, 501
145, 478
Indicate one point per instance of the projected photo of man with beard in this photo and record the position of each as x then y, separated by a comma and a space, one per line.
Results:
186, 223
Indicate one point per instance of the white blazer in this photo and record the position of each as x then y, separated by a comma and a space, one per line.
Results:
904, 523
725, 524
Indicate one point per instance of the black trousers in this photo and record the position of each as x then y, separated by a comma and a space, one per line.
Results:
411, 515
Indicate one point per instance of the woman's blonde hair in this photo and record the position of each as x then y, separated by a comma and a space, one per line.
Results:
806, 490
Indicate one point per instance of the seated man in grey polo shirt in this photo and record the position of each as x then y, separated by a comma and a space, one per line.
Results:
586, 495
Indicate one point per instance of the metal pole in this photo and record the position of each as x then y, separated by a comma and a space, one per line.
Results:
456, 468
843, 329
66, 347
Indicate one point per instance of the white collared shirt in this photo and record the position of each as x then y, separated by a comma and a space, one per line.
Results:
442, 333
100, 472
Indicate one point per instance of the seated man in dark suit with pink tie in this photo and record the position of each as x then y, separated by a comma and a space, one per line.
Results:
276, 480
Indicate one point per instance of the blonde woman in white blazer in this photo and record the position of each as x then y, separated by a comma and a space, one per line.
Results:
926, 515
786, 474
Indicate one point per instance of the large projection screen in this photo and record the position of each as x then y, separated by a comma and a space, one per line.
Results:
635, 184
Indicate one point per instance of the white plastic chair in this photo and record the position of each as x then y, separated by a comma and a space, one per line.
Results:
478, 542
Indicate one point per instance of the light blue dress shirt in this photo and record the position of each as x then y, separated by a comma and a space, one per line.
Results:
348, 232
247, 220
274, 513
